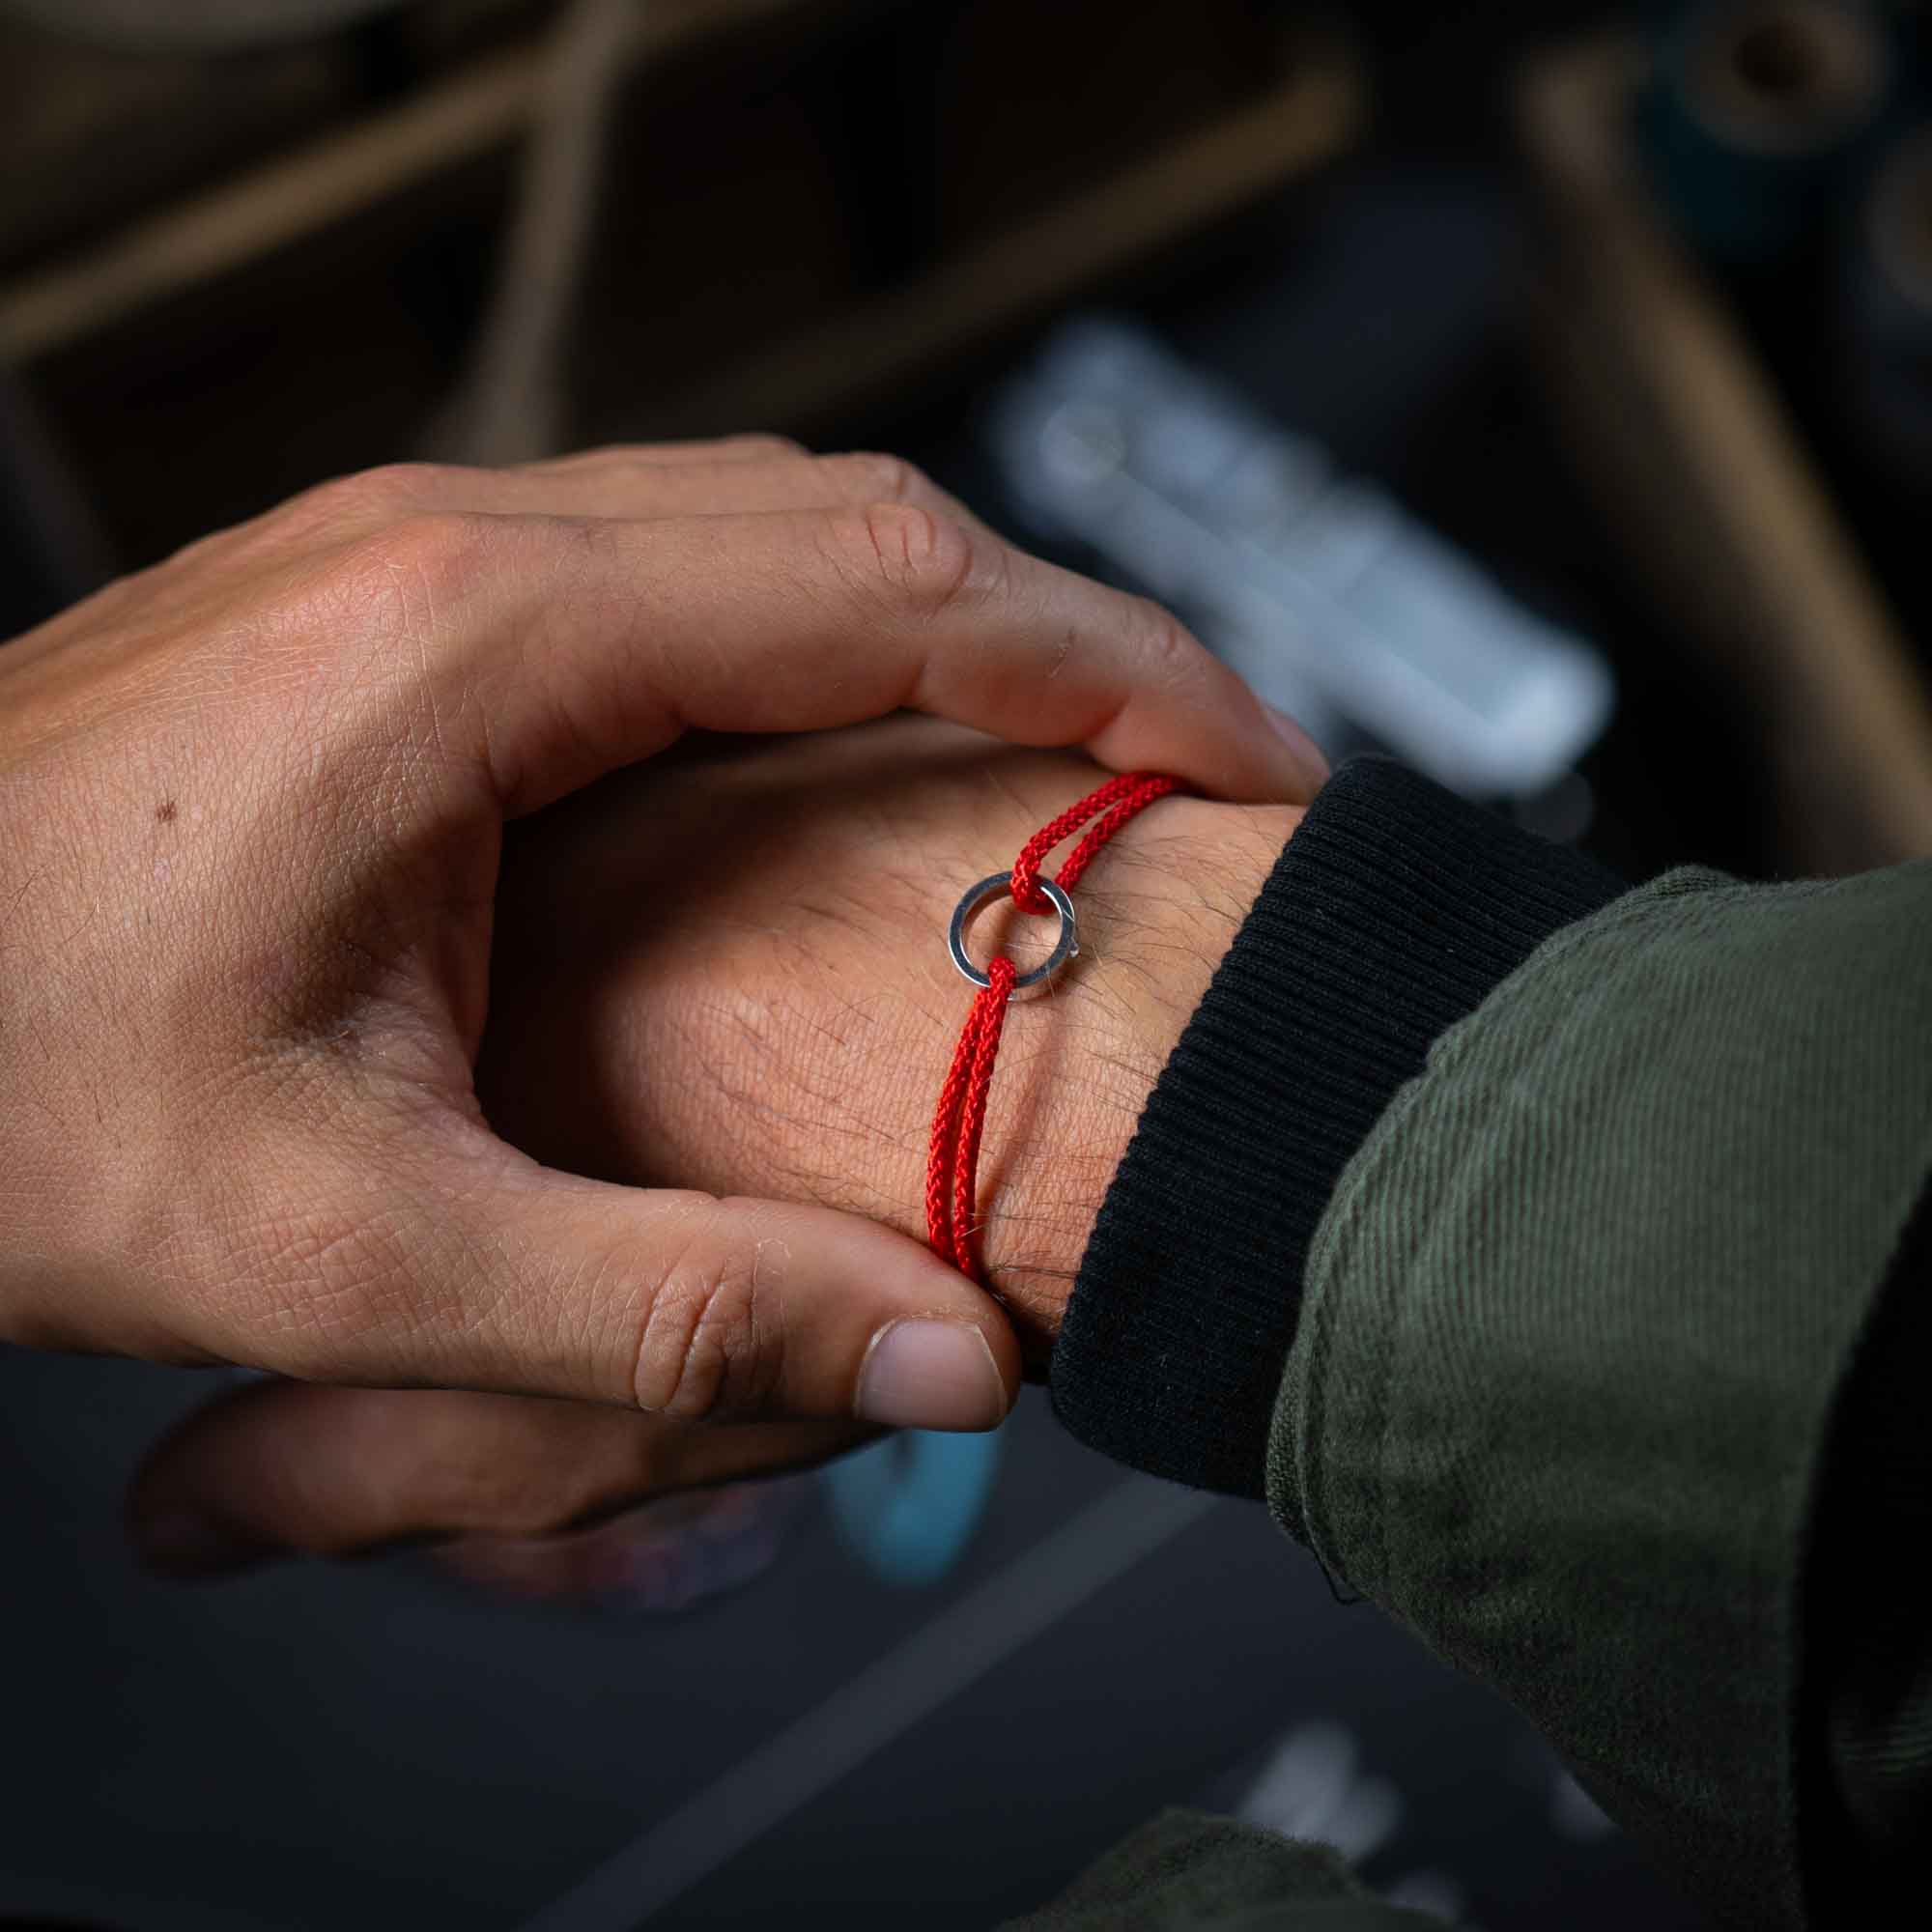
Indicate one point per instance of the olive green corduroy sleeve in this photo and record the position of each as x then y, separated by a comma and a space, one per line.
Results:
1574, 1327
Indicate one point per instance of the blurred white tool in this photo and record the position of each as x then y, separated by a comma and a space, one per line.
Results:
1330, 598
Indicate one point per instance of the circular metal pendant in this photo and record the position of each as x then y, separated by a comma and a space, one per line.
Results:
991, 888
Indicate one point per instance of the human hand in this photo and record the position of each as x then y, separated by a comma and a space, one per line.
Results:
251, 804
734, 971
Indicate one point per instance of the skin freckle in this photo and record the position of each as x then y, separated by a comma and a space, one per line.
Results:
164, 812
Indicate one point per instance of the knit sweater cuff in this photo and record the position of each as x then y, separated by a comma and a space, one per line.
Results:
1394, 911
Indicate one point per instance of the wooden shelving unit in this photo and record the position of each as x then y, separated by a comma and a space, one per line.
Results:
1690, 449
751, 265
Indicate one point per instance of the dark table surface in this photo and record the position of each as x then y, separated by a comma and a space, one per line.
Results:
322, 1745
318, 1746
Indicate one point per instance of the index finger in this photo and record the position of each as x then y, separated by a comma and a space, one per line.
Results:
587, 643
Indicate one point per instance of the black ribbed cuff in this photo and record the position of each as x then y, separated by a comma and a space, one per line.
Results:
1393, 912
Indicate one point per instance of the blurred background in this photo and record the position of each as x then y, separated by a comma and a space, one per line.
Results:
1541, 392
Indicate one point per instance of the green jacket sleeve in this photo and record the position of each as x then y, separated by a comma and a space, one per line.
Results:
1603, 1363
1573, 1335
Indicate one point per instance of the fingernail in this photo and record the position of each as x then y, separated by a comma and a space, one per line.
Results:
1307, 753
931, 1374
180, 1543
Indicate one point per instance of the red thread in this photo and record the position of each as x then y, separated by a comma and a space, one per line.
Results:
953, 1160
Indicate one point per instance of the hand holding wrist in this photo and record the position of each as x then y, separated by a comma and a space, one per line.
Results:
734, 974
264, 788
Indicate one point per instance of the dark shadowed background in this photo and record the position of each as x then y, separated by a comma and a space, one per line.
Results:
1605, 334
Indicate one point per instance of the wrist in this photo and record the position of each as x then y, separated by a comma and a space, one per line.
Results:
778, 1022
1157, 912
1392, 914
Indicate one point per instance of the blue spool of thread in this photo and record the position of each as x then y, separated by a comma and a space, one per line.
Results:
907, 1507
1759, 117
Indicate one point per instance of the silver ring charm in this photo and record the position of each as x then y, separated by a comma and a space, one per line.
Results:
1064, 948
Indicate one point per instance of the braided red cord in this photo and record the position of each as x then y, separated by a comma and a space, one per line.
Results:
952, 1159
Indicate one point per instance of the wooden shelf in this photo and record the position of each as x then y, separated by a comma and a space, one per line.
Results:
751, 263
1687, 443
867, 351
483, 108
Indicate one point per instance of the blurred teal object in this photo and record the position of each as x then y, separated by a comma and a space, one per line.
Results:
907, 1507
1760, 116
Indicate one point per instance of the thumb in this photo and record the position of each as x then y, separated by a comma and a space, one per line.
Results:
685, 1305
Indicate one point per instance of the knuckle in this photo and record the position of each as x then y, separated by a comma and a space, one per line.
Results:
432, 549
1172, 655
593, 456
917, 560
369, 495
763, 442
709, 1344
655, 455
597, 456
878, 478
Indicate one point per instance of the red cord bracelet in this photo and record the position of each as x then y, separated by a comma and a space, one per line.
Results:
953, 1160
